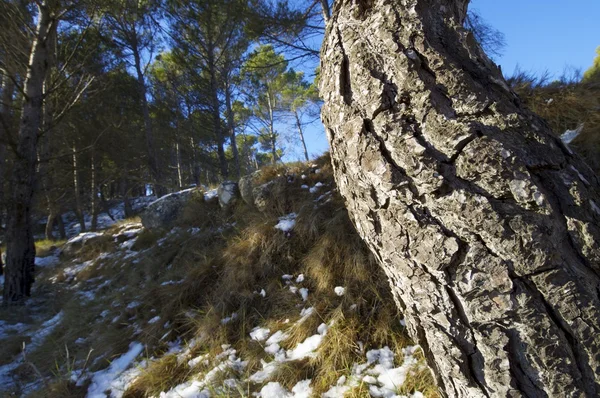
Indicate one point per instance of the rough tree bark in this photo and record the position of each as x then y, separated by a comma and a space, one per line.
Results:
485, 223
20, 249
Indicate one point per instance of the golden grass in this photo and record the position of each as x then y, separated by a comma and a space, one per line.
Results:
217, 272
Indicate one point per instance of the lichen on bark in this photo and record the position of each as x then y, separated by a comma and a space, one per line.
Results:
484, 221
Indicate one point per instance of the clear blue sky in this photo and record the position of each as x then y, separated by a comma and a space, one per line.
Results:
541, 35
544, 34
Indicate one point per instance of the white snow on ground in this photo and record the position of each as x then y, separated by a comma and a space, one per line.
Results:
315, 189
8, 329
37, 338
300, 278
308, 347
48, 261
71, 272
47, 327
230, 318
171, 195
154, 320
83, 237
304, 293
380, 373
108, 379
339, 290
259, 334
286, 223
570, 135
202, 388
208, 195
133, 304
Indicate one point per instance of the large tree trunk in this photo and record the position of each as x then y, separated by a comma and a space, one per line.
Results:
20, 249
485, 223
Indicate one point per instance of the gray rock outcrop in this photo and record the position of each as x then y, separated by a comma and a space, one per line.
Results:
163, 212
229, 193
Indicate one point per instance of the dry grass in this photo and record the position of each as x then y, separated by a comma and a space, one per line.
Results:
46, 247
193, 281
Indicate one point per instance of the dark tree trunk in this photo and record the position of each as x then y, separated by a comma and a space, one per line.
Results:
231, 125
301, 134
8, 89
61, 227
77, 190
150, 144
20, 249
485, 223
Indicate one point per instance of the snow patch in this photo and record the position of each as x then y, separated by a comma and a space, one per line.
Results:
108, 379
339, 290
286, 223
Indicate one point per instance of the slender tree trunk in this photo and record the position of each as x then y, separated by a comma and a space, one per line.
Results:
6, 99
61, 227
178, 160
20, 250
44, 167
195, 167
77, 191
485, 223
231, 125
216, 114
150, 144
272, 137
93, 191
50, 221
326, 10
301, 133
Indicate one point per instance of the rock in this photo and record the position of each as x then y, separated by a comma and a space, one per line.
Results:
163, 212
246, 185
228, 193
73, 245
271, 196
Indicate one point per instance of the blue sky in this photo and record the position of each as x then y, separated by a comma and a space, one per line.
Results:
544, 34
541, 35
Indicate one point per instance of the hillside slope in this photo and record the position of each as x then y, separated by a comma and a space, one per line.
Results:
282, 302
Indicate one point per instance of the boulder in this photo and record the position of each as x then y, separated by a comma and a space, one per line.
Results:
246, 186
73, 245
272, 196
228, 193
163, 212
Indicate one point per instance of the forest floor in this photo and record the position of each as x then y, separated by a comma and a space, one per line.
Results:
286, 302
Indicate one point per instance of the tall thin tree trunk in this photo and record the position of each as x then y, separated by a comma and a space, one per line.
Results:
93, 191
61, 227
216, 115
6, 97
150, 144
44, 169
178, 160
272, 137
20, 250
231, 125
77, 190
301, 134
485, 223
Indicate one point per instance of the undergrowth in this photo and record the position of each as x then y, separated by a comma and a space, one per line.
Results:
218, 263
